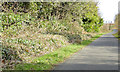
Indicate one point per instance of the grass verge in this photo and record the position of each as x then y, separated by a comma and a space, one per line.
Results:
116, 35
48, 61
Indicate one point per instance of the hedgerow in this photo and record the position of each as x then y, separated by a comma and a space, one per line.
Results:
32, 29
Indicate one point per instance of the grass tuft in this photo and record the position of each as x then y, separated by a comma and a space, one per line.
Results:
116, 35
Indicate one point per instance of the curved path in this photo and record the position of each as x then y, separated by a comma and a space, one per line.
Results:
102, 54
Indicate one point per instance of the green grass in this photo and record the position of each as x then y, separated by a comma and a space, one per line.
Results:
48, 61
116, 35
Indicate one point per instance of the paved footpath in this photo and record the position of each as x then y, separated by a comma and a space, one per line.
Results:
102, 54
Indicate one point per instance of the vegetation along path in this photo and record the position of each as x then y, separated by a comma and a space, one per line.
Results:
102, 54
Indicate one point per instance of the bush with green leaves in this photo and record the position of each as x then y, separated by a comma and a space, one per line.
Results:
36, 28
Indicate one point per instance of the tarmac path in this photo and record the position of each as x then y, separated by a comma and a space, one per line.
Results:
101, 54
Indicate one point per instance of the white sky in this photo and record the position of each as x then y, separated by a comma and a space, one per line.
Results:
108, 9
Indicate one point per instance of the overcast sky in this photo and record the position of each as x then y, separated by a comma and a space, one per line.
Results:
108, 9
